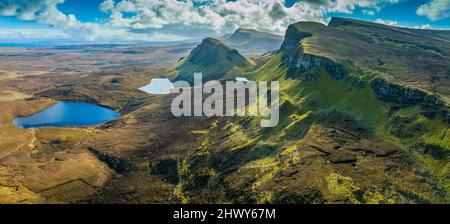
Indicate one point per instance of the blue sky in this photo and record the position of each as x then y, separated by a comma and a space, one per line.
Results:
133, 20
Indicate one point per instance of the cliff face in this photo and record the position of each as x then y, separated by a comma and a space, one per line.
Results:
305, 65
330, 134
299, 62
293, 37
401, 94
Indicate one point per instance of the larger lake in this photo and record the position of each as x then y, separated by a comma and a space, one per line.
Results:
68, 114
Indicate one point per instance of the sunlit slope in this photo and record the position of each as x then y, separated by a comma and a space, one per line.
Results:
350, 131
418, 58
317, 83
411, 118
214, 60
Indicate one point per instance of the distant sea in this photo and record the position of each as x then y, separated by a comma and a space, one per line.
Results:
39, 44
70, 43
26, 44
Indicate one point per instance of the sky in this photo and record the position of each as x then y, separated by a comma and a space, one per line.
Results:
172, 20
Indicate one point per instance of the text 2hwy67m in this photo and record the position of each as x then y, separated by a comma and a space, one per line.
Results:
225, 214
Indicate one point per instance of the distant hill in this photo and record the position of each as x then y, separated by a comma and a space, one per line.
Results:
214, 59
252, 42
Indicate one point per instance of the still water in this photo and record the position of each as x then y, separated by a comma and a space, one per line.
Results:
68, 114
158, 86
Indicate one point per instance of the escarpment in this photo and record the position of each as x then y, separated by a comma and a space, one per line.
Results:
401, 94
301, 63
298, 62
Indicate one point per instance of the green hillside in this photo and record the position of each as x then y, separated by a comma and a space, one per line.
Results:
214, 59
352, 129
417, 58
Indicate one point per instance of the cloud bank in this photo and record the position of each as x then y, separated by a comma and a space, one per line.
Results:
176, 19
435, 10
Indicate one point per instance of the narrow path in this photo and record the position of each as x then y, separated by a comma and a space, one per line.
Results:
32, 143
29, 143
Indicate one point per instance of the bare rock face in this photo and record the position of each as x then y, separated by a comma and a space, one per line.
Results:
293, 37
401, 94
299, 62
302, 63
305, 65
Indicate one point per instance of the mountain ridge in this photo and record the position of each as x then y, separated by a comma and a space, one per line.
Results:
406, 56
251, 42
214, 59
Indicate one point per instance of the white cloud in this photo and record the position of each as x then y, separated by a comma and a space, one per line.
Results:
223, 16
386, 22
106, 5
23, 9
368, 12
31, 34
177, 19
423, 27
394, 23
46, 12
435, 9
348, 6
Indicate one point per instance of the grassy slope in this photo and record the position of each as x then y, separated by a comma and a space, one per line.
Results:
327, 94
236, 161
214, 59
408, 56
249, 163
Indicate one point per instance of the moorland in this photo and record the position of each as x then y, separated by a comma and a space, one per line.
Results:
364, 118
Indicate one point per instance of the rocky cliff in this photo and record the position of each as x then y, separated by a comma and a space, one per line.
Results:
299, 62
302, 64
401, 94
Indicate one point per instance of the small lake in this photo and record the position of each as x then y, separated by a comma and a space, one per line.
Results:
68, 114
158, 86
241, 79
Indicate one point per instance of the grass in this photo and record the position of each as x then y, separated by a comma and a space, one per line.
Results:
325, 94
245, 163
214, 60
393, 45
342, 187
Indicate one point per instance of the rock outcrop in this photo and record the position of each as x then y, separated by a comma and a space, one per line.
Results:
299, 62
305, 65
293, 37
397, 93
